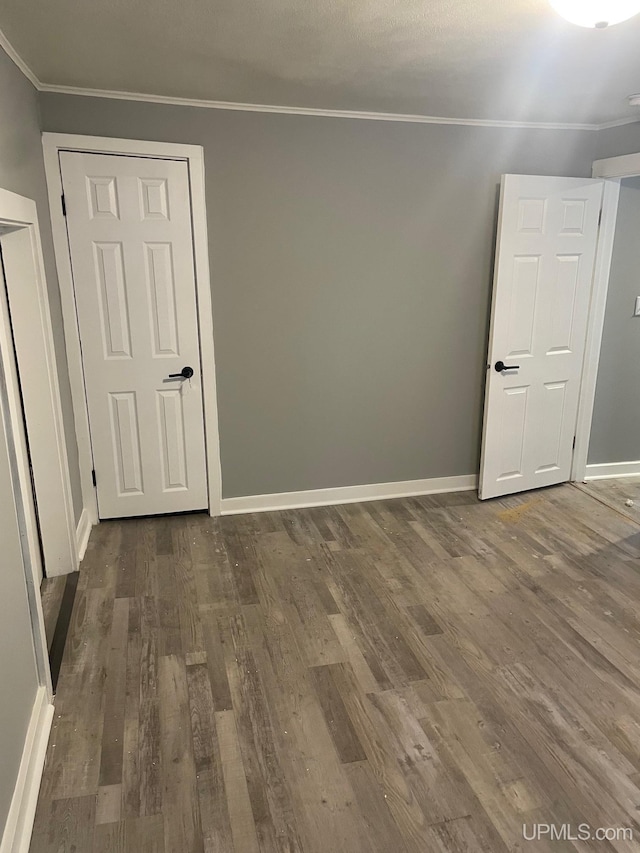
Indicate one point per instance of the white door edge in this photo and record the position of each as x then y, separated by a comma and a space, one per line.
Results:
485, 407
53, 143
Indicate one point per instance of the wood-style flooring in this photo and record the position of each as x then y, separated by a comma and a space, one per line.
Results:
52, 593
427, 674
615, 493
58, 594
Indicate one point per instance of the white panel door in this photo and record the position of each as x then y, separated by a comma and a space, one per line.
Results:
131, 245
547, 235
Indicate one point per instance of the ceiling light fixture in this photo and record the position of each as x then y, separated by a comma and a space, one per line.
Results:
596, 13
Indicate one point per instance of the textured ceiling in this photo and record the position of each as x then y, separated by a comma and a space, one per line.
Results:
488, 59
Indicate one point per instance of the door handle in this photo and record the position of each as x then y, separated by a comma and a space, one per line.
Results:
185, 373
500, 366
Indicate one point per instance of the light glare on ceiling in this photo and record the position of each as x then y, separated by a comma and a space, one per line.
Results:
596, 13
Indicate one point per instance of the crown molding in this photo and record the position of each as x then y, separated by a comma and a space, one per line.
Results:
13, 54
310, 111
619, 122
6, 45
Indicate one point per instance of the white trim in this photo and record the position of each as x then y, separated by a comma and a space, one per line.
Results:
618, 122
40, 392
19, 826
83, 531
310, 111
348, 494
12, 415
15, 57
115, 94
626, 166
53, 143
613, 470
595, 325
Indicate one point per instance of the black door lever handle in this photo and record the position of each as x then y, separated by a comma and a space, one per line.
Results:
185, 373
500, 366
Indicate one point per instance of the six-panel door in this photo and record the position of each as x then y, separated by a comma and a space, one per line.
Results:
129, 224
542, 288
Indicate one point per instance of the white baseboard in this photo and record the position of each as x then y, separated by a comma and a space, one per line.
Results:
347, 494
83, 531
612, 470
19, 826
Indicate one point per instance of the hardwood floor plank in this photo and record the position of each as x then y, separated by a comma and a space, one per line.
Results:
145, 835
353, 653
109, 838
149, 749
427, 623
322, 798
64, 825
243, 830
191, 633
214, 812
169, 633
115, 688
337, 719
131, 732
180, 808
383, 834
289, 567
108, 804
268, 788
126, 563
218, 679
242, 559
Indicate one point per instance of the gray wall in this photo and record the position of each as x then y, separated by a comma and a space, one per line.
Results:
617, 140
351, 270
22, 172
615, 430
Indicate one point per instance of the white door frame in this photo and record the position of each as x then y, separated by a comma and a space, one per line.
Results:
35, 354
612, 170
20, 244
595, 325
53, 143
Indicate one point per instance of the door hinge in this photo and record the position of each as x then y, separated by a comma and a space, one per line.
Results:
64, 205
600, 218
573, 445
93, 477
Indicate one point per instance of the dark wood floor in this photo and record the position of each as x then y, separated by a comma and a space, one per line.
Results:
407, 676
58, 595
52, 592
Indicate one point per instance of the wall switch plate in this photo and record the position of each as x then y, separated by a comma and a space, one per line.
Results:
636, 312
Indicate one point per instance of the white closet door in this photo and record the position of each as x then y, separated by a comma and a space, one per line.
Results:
131, 245
547, 238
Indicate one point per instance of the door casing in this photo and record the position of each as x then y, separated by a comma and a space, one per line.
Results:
53, 143
21, 250
612, 170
